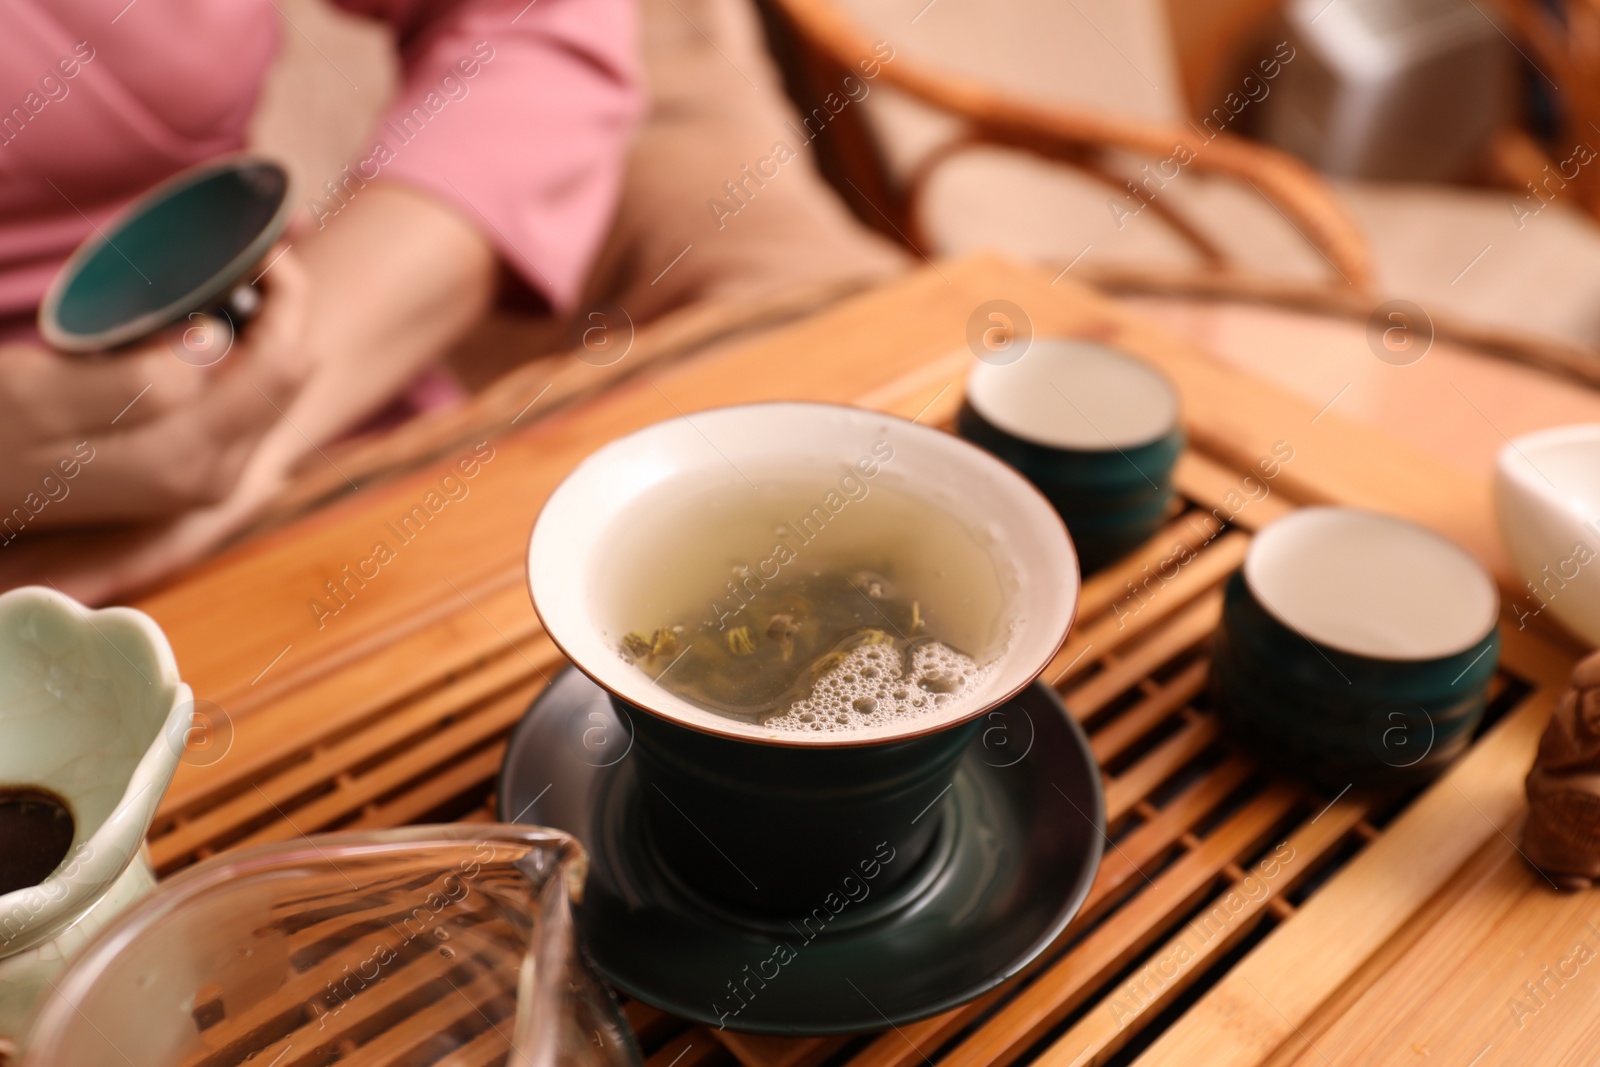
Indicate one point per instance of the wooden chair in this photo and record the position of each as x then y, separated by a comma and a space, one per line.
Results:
1561, 40
816, 43
819, 42
831, 45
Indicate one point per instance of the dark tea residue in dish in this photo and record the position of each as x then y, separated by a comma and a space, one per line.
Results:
35, 834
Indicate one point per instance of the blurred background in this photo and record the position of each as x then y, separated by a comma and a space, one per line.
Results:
1286, 182
1155, 136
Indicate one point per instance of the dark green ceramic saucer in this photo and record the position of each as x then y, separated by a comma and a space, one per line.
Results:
179, 248
1022, 833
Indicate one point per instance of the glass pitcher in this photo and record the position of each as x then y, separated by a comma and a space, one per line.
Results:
423, 945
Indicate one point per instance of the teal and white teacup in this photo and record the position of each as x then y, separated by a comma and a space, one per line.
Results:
1095, 429
188, 246
1356, 648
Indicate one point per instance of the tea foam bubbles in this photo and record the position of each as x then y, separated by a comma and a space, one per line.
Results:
873, 687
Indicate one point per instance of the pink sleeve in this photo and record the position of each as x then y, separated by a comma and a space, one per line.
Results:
519, 113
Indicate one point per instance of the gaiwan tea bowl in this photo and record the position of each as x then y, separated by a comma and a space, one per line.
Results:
802, 611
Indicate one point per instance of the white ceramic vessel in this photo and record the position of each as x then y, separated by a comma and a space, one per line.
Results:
91, 710
1547, 496
595, 517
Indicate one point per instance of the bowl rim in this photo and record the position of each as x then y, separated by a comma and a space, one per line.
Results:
1307, 513
1337, 656
738, 731
49, 316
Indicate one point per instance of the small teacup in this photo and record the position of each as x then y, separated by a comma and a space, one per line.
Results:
1094, 428
749, 819
185, 247
1356, 648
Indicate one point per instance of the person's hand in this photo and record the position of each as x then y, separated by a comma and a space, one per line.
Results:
98, 565
398, 279
150, 433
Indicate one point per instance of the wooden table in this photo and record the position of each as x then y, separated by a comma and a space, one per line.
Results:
1397, 932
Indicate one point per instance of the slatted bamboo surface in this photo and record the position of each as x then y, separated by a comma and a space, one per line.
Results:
447, 991
1237, 917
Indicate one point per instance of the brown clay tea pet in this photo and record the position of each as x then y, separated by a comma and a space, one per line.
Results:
1562, 834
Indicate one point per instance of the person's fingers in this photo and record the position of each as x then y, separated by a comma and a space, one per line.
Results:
90, 565
183, 453
287, 289
191, 457
157, 473
48, 394
187, 458
275, 342
202, 339
97, 565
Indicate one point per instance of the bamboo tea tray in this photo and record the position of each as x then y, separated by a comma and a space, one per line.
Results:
1237, 918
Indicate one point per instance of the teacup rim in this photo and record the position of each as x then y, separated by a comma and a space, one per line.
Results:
1323, 644
1358, 659
1174, 438
48, 318
824, 742
1157, 373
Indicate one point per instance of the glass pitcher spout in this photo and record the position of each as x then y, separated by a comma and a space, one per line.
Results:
424, 945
